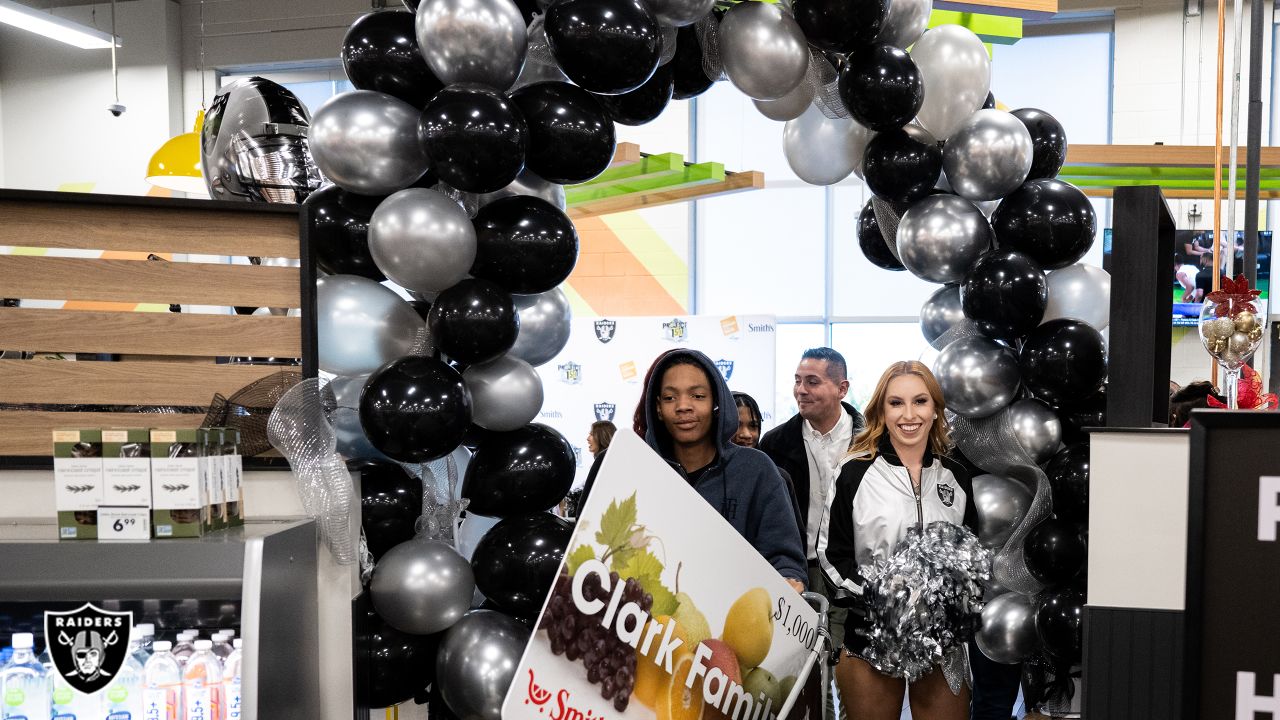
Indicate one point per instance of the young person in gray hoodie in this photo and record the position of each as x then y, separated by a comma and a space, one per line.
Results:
691, 420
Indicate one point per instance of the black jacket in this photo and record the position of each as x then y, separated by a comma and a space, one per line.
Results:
785, 446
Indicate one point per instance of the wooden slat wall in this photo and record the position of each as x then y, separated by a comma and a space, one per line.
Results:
164, 358
89, 331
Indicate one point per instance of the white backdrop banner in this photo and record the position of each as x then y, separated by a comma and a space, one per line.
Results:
600, 374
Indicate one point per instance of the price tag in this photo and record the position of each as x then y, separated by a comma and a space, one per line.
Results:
124, 523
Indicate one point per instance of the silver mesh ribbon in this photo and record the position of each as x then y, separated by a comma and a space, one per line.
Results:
440, 508
822, 79
539, 50
299, 428
887, 217
990, 444
963, 329
708, 31
669, 35
955, 667
470, 202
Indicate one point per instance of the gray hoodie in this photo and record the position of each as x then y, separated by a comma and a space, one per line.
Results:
742, 484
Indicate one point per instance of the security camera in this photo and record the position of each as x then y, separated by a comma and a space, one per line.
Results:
116, 109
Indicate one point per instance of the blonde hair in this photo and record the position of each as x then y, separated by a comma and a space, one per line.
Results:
868, 440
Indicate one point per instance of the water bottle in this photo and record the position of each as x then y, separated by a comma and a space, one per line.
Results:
162, 693
222, 644
24, 689
146, 636
65, 702
202, 683
123, 697
185, 646
231, 679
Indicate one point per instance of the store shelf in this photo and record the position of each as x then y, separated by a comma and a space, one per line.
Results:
1181, 171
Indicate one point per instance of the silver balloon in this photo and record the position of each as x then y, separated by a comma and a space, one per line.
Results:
476, 663
1080, 292
345, 418
823, 150
1002, 503
422, 240
988, 156
366, 142
940, 236
1008, 631
957, 76
506, 393
361, 324
527, 183
253, 145
472, 531
904, 23
422, 586
678, 13
978, 376
544, 326
1037, 428
940, 312
763, 49
479, 41
789, 106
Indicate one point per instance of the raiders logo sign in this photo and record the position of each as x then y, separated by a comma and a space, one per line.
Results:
947, 495
88, 645
676, 330
605, 410
725, 367
570, 372
605, 330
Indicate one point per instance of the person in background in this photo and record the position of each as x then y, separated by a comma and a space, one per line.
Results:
689, 423
598, 439
748, 435
896, 476
1194, 395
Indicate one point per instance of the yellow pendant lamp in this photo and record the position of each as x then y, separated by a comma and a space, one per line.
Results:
176, 165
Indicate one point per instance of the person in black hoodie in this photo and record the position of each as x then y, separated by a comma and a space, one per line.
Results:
690, 421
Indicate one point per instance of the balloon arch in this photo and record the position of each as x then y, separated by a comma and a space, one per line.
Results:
447, 168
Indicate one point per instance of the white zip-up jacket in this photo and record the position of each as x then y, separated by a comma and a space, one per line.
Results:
872, 506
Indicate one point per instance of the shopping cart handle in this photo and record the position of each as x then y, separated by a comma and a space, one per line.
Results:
817, 601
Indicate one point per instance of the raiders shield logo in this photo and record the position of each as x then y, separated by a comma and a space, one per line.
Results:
725, 367
947, 495
577, 455
570, 372
676, 330
605, 330
88, 645
605, 411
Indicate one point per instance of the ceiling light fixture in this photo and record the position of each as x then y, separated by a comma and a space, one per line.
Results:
54, 27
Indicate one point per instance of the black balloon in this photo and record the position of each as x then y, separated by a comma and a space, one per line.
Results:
338, 231
686, 67
1005, 293
645, 103
380, 52
475, 137
1063, 361
840, 25
881, 86
474, 321
390, 503
902, 165
525, 244
415, 409
1055, 552
605, 46
1048, 142
571, 136
390, 666
990, 102
516, 562
1068, 473
871, 241
513, 473
1060, 622
1049, 220
1077, 414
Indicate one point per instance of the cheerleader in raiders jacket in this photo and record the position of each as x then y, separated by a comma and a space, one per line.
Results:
896, 477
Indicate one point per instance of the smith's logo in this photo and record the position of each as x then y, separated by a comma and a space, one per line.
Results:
760, 327
570, 372
605, 411
676, 330
605, 330
88, 646
725, 367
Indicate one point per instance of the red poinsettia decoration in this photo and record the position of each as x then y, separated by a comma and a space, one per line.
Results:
1234, 296
1249, 395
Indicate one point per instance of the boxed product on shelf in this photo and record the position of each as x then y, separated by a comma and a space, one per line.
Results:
126, 468
77, 475
180, 501
234, 471
211, 472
